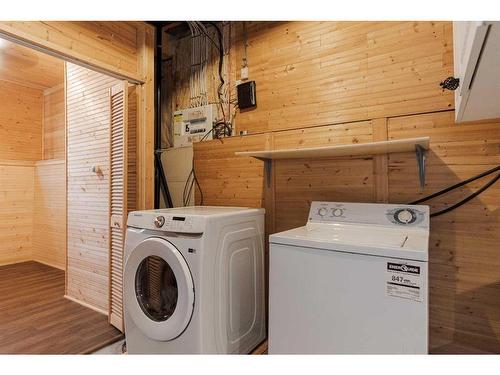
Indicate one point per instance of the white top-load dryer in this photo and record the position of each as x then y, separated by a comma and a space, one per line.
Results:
194, 280
353, 280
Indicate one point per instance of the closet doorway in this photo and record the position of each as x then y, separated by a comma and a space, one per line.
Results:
67, 181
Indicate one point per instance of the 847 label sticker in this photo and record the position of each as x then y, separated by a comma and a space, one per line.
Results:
404, 281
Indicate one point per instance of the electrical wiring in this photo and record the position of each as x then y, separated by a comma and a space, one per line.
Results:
199, 93
220, 48
460, 184
199, 62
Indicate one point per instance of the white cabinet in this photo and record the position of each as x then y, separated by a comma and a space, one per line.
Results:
477, 64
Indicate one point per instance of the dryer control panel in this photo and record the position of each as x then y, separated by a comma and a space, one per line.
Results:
369, 213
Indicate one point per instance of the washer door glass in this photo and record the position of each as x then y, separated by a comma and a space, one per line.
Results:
156, 288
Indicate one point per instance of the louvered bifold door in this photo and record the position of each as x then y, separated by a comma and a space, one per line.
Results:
118, 98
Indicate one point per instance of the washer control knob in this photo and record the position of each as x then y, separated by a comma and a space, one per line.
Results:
159, 221
337, 212
322, 211
405, 216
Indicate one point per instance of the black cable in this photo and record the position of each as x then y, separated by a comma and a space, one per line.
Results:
199, 186
463, 201
222, 129
453, 187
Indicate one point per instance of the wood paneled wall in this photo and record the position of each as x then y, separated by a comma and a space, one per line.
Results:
49, 226
88, 119
16, 210
119, 48
464, 261
21, 110
54, 123
101, 44
317, 73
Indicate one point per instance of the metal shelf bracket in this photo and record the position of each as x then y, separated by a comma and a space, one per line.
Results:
267, 170
420, 155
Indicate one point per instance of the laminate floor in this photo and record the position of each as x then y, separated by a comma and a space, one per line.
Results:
35, 318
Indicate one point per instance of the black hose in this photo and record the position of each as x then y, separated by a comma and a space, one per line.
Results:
453, 187
457, 185
465, 200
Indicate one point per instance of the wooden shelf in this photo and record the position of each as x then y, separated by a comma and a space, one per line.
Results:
417, 145
359, 149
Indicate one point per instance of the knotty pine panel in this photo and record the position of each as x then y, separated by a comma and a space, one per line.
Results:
88, 135
227, 179
464, 259
16, 211
49, 229
300, 181
114, 46
21, 113
54, 123
315, 73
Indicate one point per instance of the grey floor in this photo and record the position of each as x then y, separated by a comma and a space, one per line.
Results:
115, 348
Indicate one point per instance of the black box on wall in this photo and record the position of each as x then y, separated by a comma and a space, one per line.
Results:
246, 95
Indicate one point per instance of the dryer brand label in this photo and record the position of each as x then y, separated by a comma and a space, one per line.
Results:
404, 280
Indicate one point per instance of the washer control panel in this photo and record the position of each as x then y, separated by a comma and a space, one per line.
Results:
178, 223
369, 213
166, 222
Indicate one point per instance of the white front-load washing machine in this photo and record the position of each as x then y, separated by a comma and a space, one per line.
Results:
194, 280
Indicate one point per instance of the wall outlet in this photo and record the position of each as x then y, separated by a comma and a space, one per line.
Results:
244, 73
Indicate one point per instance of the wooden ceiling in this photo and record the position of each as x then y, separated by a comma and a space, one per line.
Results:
29, 67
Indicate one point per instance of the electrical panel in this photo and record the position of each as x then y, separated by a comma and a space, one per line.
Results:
193, 124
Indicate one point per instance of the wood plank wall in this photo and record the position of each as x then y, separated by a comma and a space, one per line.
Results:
49, 229
108, 45
318, 73
124, 49
16, 211
49, 226
88, 191
54, 123
338, 83
21, 111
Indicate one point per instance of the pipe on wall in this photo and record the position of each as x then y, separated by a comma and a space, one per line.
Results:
161, 185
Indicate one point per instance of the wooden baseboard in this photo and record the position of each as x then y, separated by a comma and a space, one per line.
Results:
86, 305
